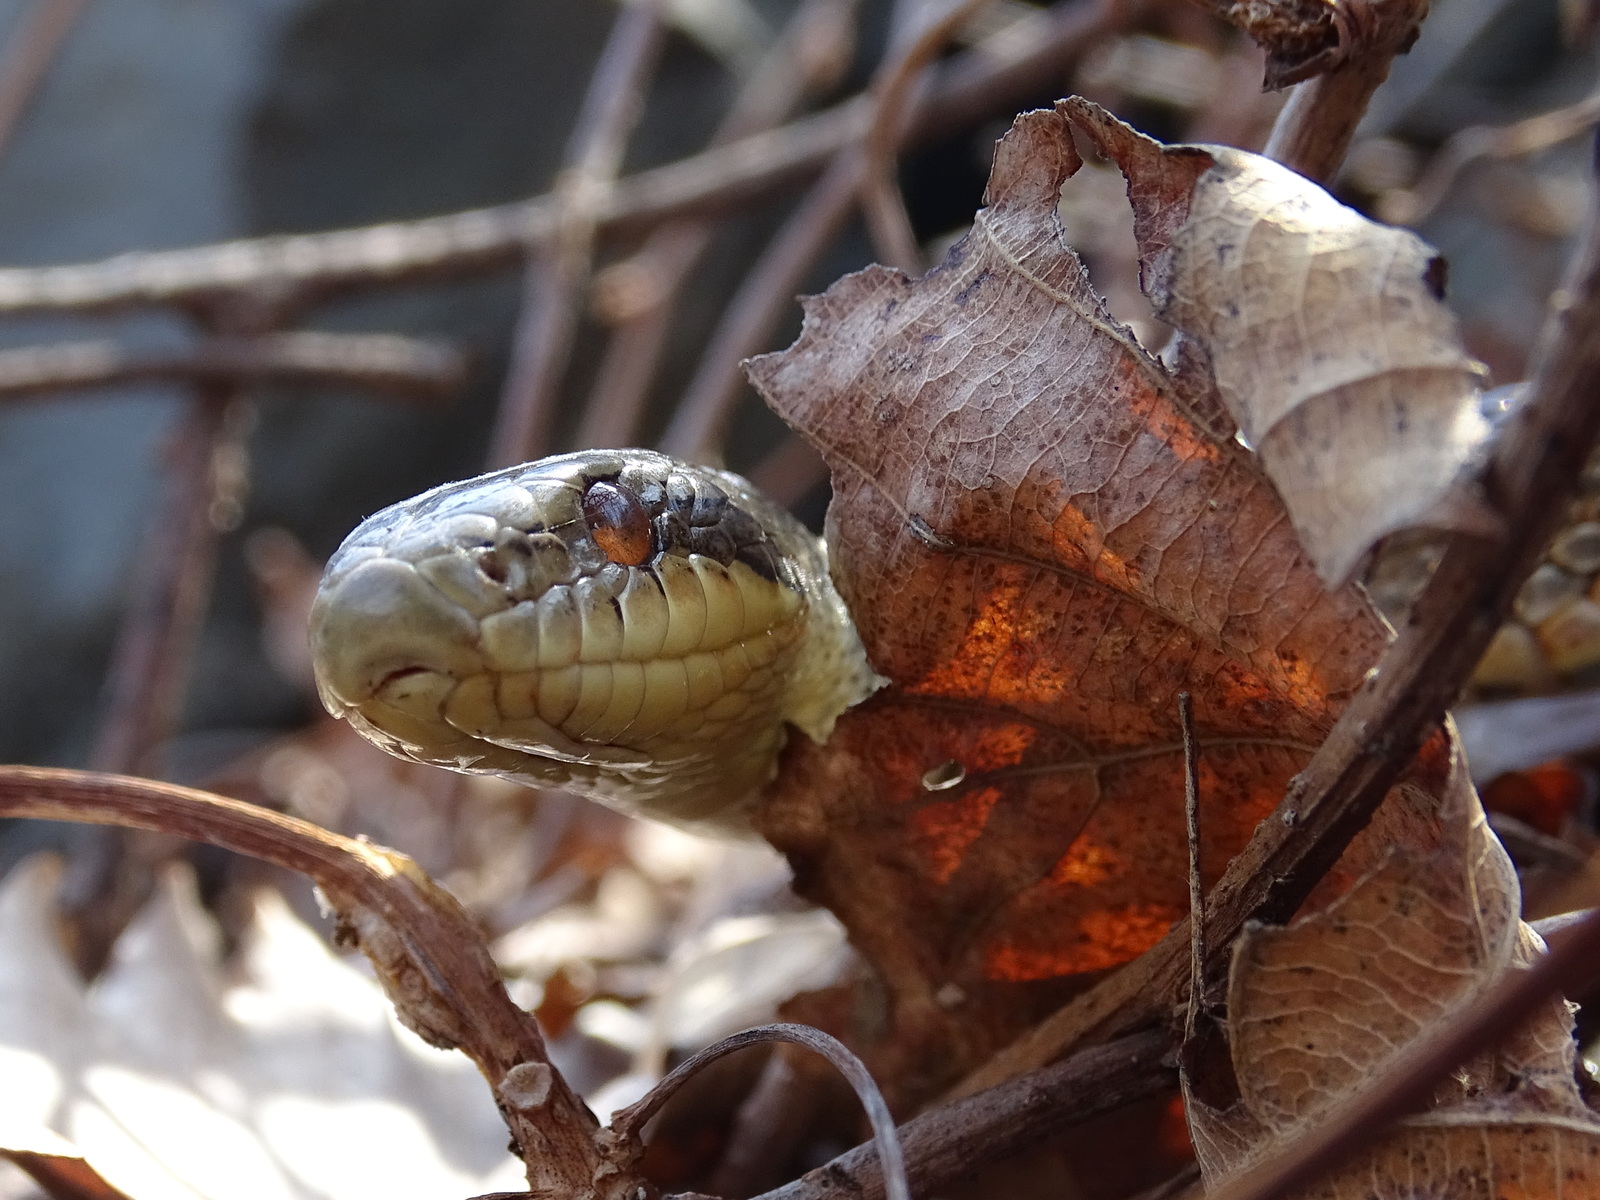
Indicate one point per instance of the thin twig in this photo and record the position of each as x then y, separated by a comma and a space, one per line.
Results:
170, 592
892, 92
31, 50
1533, 476
637, 293
1506, 141
697, 427
789, 471
1315, 128
559, 272
768, 290
1197, 892
308, 267
954, 1142
628, 1125
428, 955
383, 363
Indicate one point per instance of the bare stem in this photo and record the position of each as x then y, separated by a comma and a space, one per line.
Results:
382, 363
307, 267
1315, 128
30, 51
639, 291
951, 1143
559, 272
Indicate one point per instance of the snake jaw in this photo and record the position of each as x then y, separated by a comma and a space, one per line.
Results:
619, 624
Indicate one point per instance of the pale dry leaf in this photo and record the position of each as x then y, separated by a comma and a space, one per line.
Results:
1327, 334
1316, 1010
171, 1080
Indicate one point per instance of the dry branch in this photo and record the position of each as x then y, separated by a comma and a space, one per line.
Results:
1316, 126
385, 363
559, 270
295, 269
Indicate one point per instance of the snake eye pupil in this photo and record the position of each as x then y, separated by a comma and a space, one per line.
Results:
619, 523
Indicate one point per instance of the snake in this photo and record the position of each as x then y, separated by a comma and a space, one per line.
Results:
625, 626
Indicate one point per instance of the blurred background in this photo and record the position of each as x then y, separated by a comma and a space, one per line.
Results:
160, 531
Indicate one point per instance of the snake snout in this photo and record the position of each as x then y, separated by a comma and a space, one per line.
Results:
381, 630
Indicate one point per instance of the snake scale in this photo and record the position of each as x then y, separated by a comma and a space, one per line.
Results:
620, 624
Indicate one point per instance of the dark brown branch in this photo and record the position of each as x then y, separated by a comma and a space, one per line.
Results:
635, 296
955, 1141
697, 428
428, 955
1315, 128
304, 267
559, 271
383, 363
768, 290
170, 591
30, 51
892, 94
1533, 476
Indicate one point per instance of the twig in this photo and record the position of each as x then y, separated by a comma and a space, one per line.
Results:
427, 953
953, 1142
306, 267
636, 294
30, 52
628, 1125
892, 91
1506, 141
170, 592
1532, 478
1571, 966
1315, 128
1197, 893
696, 429
386, 363
768, 290
559, 271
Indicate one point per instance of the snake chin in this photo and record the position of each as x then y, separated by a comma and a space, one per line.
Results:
619, 624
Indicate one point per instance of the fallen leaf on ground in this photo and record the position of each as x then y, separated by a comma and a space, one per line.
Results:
1047, 550
171, 1081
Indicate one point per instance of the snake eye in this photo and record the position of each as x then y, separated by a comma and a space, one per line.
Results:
619, 523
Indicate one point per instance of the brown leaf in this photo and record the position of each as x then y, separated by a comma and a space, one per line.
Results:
1042, 546
1320, 1008
1327, 334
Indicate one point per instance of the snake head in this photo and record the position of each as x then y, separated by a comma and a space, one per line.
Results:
619, 624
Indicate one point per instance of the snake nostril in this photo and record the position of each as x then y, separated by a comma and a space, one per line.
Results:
619, 523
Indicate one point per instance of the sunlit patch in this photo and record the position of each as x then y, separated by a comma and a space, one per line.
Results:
1104, 939
1088, 863
945, 831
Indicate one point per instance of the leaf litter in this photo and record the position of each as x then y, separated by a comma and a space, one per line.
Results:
1061, 535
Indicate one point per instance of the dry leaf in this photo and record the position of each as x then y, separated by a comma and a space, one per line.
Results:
1327, 336
292, 1081
1042, 547
1318, 1009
